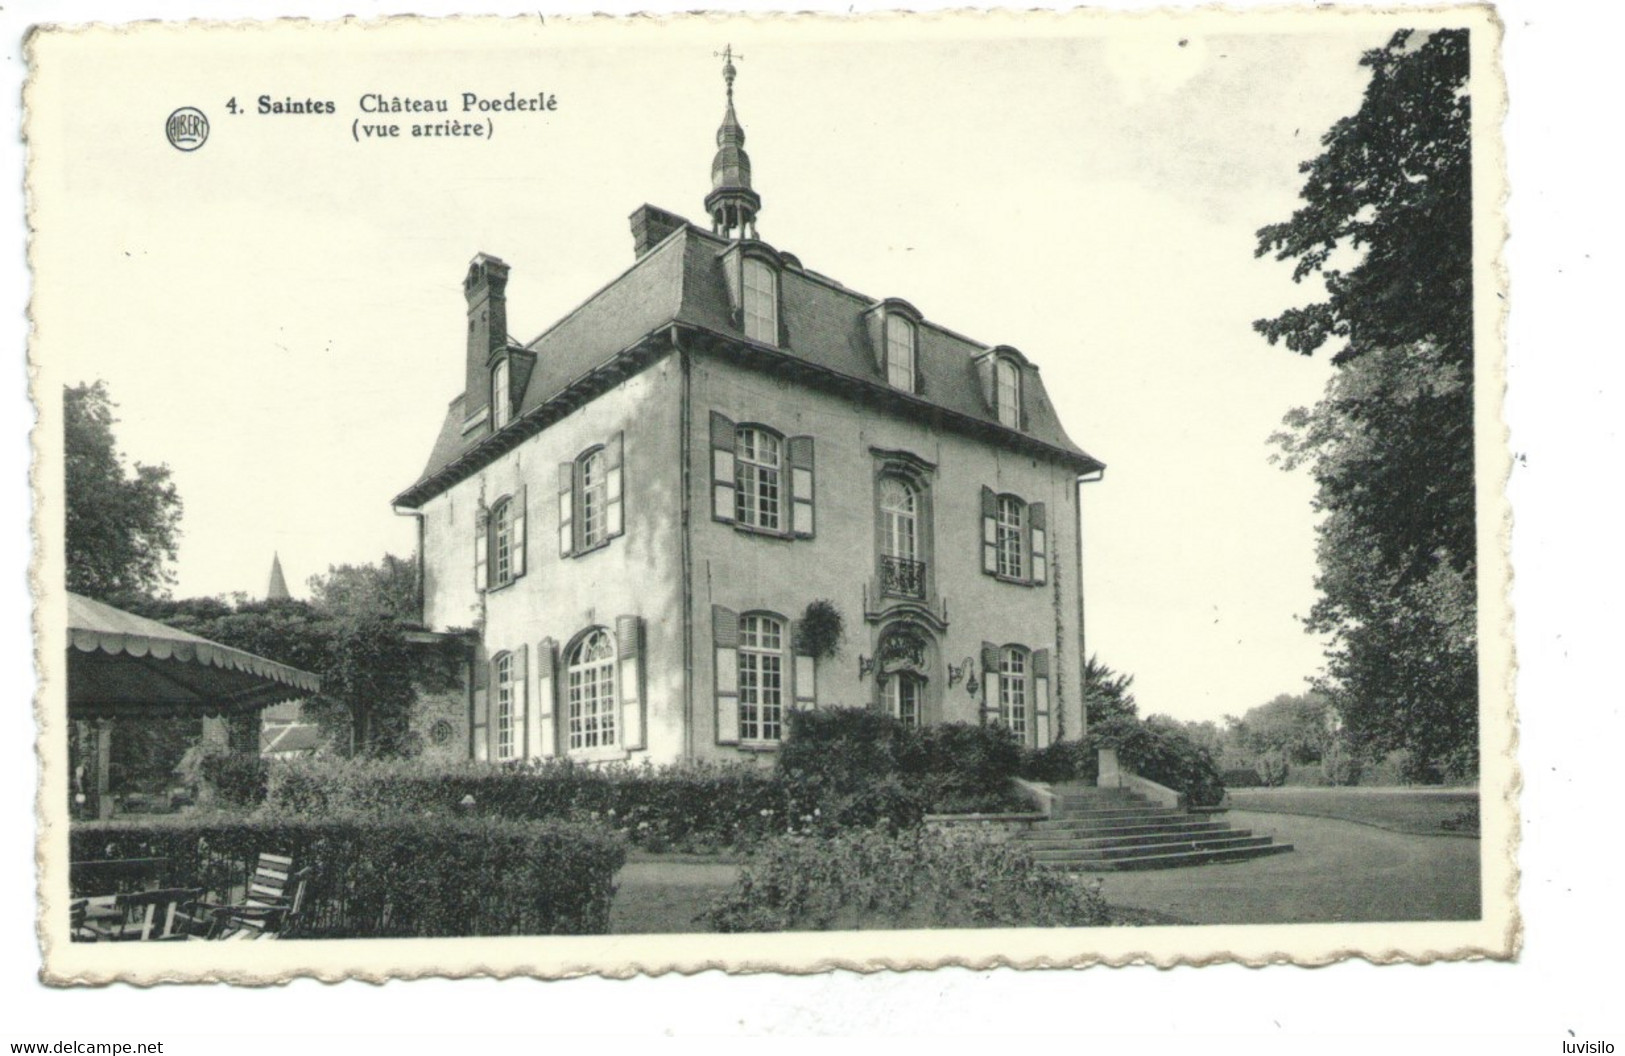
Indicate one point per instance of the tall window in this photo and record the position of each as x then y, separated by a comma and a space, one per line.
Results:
594, 498
1013, 689
761, 302
757, 475
591, 670
1007, 393
502, 543
899, 353
761, 678
1010, 537
903, 693
902, 572
501, 404
505, 706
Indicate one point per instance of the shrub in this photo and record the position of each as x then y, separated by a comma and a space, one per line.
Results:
237, 779
1273, 768
1162, 752
1339, 766
1240, 777
975, 760
918, 879
401, 876
841, 749
1063, 761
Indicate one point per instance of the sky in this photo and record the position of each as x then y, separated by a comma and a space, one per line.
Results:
279, 314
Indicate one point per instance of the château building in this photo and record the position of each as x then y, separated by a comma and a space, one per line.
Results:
637, 510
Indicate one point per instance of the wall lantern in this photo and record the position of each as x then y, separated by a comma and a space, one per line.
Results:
967, 671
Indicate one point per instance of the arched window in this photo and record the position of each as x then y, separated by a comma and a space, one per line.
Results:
761, 677
502, 543
590, 668
761, 302
1007, 392
502, 665
758, 470
594, 497
905, 692
1013, 693
1011, 537
899, 353
902, 563
501, 401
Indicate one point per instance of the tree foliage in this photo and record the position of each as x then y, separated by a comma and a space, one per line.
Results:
1299, 727
1387, 225
1106, 693
122, 530
388, 588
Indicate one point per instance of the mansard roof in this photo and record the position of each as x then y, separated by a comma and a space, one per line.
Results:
678, 289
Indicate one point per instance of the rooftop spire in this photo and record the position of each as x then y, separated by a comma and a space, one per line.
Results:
732, 203
277, 589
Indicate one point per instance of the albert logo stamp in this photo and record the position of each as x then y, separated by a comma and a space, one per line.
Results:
187, 129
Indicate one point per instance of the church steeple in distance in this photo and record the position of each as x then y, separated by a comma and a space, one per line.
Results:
277, 589
732, 204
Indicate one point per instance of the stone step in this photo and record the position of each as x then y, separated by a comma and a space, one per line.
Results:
1097, 855
1169, 861
1119, 826
1137, 839
1115, 812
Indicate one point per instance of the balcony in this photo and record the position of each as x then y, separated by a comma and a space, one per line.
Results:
903, 578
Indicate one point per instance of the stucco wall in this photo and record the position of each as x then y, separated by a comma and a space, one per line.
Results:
638, 573
744, 571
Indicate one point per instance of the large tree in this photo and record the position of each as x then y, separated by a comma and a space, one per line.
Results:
122, 528
1386, 223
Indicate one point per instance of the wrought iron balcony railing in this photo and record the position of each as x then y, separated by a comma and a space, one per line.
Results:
902, 577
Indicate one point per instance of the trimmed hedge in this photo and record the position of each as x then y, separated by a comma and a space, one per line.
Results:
693, 808
919, 879
388, 877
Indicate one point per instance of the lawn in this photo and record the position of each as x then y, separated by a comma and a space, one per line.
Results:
1418, 811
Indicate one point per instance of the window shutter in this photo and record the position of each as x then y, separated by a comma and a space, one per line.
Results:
801, 485
1041, 715
613, 486
516, 535
990, 531
722, 467
725, 636
984, 373
629, 655
521, 702
805, 672
493, 690
567, 505
482, 538
482, 701
990, 683
1038, 541
543, 729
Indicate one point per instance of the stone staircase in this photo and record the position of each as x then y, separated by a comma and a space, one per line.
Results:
1111, 829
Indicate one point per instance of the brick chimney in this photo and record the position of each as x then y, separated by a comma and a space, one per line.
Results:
651, 226
485, 288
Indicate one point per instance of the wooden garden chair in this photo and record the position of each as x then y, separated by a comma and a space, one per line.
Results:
262, 915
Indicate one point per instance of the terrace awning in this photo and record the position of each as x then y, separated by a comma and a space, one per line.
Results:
123, 664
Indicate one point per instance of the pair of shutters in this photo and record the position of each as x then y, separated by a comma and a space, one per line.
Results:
513, 507
1036, 526
550, 732
795, 501
1038, 732
572, 534
801, 693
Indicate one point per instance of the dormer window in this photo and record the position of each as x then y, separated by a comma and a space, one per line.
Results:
899, 353
501, 398
761, 302
1007, 393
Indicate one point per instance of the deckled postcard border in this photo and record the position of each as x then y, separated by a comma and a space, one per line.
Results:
1496, 936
